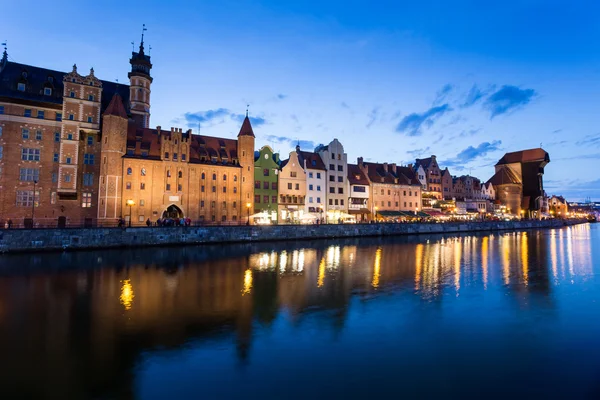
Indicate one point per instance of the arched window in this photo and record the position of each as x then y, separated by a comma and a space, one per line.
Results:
203, 176
214, 177
224, 177
168, 173
129, 171
235, 178
180, 174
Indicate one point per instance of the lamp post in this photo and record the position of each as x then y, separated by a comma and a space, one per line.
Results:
33, 204
376, 208
248, 205
321, 211
416, 211
130, 203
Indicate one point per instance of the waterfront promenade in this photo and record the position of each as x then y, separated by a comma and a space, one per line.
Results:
25, 240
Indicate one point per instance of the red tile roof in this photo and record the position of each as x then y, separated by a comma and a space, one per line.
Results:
524, 156
202, 149
313, 160
116, 107
246, 129
356, 176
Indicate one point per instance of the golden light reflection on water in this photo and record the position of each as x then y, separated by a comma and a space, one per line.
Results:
127, 295
457, 259
376, 268
484, 260
553, 256
505, 249
418, 265
247, 282
525, 258
321, 278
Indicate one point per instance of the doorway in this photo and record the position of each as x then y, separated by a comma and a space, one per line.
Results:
172, 212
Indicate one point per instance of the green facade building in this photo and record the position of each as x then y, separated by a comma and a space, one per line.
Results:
266, 174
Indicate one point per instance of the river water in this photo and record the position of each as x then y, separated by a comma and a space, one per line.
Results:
509, 314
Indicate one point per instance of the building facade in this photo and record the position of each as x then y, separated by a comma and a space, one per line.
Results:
316, 182
433, 177
77, 150
292, 190
518, 182
446, 185
336, 161
266, 173
359, 193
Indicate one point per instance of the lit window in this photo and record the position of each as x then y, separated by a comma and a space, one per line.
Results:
86, 200
25, 198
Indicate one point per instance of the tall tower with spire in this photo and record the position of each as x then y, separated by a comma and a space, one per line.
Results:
139, 85
245, 151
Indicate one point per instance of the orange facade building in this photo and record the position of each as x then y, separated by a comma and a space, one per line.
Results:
77, 150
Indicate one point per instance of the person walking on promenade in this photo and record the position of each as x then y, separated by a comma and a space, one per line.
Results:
148, 223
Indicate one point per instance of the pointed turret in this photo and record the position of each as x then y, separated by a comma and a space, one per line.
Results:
139, 86
246, 129
4, 59
116, 107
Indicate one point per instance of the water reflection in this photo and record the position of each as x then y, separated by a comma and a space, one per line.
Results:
86, 322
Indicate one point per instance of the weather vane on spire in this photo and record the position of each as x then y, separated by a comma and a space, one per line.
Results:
143, 30
247, 106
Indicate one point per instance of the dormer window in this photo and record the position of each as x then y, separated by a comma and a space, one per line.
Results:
21, 87
47, 91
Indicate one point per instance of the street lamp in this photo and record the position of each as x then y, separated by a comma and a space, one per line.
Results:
130, 203
33, 204
248, 205
416, 211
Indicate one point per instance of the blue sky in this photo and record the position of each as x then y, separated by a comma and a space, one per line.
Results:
391, 80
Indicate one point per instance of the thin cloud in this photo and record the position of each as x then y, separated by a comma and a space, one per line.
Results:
374, 115
411, 124
418, 152
217, 116
306, 145
508, 98
442, 94
476, 94
589, 141
472, 153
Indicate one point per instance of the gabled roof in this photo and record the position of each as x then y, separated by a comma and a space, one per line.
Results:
202, 149
246, 129
116, 107
445, 172
313, 160
36, 79
525, 156
424, 162
504, 176
408, 175
356, 176
402, 176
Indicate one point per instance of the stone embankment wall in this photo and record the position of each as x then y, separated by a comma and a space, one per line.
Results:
25, 240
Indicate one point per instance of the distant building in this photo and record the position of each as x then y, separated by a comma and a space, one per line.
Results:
266, 171
292, 190
358, 193
316, 182
487, 191
433, 176
393, 189
336, 161
558, 206
518, 182
446, 185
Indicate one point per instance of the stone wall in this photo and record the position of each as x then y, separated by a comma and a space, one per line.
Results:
24, 240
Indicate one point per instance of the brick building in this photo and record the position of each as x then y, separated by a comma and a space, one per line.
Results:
75, 149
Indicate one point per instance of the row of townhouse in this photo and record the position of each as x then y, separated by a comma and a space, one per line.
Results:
322, 185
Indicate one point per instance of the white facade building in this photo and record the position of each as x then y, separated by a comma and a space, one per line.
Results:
316, 182
336, 161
